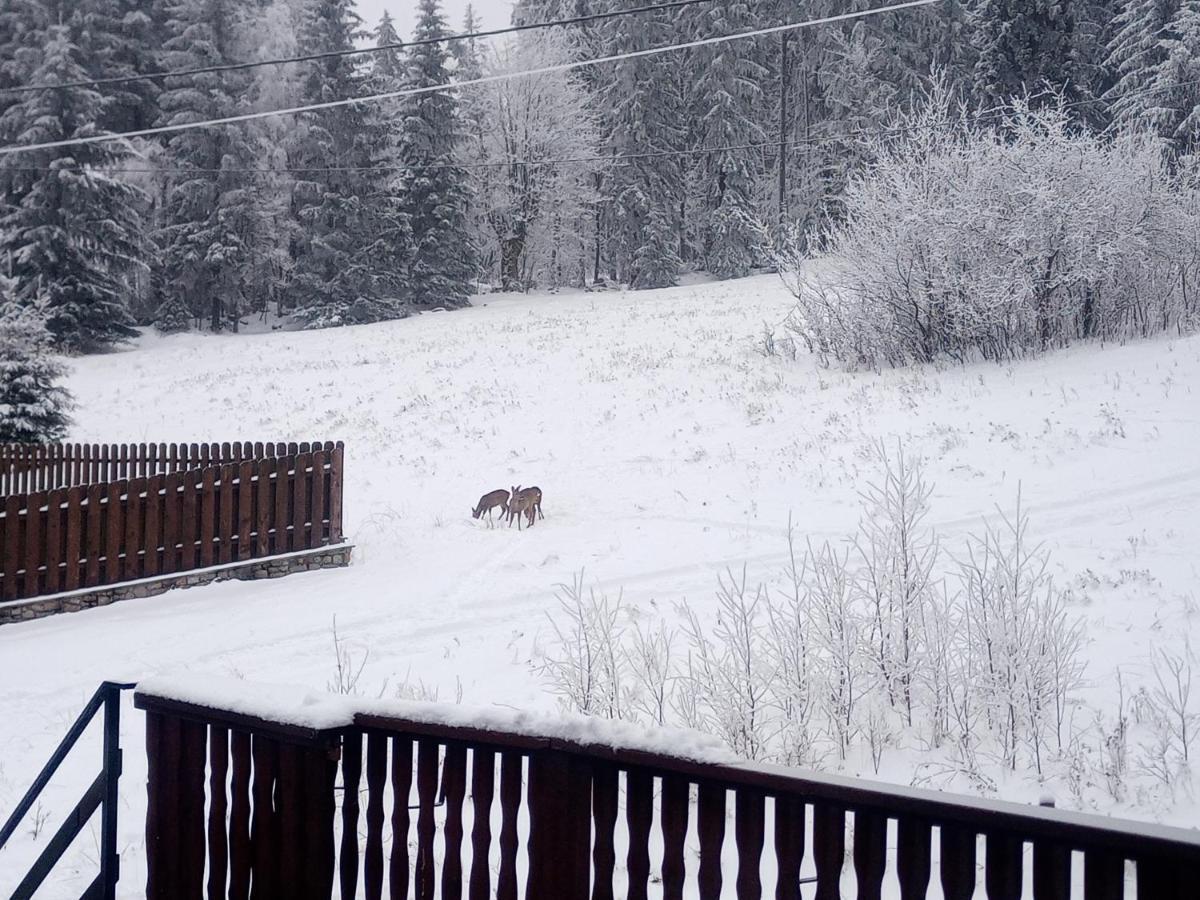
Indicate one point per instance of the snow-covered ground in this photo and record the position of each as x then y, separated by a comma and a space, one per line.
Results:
667, 448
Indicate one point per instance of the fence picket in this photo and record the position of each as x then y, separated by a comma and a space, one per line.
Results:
263, 508
605, 794
245, 510
114, 529
483, 778
351, 770
373, 853
225, 514
218, 838
639, 815
134, 512
207, 535
300, 506
675, 803
510, 802
97, 505
281, 535
454, 782
73, 551
152, 543
190, 517
54, 556
402, 765
34, 543
318, 533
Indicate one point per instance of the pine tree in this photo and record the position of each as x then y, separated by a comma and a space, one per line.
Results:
728, 96
1173, 106
23, 33
33, 406
209, 213
1135, 53
387, 66
645, 109
345, 272
72, 228
440, 265
118, 38
1024, 46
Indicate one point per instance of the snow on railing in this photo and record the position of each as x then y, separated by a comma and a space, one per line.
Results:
284, 767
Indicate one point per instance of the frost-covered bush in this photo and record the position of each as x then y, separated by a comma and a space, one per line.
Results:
996, 238
865, 647
33, 406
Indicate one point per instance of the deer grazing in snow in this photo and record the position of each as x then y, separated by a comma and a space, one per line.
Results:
525, 502
490, 501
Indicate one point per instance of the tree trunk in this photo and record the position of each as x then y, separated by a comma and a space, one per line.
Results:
511, 249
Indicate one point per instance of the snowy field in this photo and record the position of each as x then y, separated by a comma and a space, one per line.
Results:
667, 448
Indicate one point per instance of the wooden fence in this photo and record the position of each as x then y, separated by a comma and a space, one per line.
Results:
268, 810
170, 520
25, 468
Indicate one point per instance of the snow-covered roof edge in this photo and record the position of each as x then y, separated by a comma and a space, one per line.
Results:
304, 707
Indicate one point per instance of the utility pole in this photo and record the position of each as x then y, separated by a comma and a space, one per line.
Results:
784, 77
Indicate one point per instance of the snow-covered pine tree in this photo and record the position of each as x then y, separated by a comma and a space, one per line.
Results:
387, 65
1094, 25
861, 89
1135, 52
119, 38
1024, 46
71, 228
33, 406
209, 213
727, 100
23, 25
440, 266
645, 110
346, 237
1173, 106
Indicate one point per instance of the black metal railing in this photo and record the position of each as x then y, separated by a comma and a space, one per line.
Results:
102, 795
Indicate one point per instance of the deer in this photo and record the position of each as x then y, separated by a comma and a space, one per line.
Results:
526, 502
490, 501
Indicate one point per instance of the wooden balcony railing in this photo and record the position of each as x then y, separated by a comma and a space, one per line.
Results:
301, 797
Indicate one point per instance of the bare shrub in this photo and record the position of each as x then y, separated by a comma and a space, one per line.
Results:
584, 666
728, 674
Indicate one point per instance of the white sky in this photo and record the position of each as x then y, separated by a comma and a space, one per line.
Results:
491, 13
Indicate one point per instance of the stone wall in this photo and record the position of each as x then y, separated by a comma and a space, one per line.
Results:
331, 557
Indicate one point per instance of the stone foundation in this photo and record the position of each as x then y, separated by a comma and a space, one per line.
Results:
331, 557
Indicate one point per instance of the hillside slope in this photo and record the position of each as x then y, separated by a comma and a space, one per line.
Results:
667, 448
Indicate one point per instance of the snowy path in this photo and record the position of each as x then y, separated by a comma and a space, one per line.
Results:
667, 448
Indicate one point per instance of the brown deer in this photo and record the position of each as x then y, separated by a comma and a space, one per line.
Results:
527, 502
489, 501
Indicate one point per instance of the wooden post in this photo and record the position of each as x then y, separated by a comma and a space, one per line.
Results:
560, 823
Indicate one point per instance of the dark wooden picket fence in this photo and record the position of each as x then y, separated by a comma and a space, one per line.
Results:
26, 468
267, 810
99, 515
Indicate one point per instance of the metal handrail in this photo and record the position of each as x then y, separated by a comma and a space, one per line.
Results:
102, 793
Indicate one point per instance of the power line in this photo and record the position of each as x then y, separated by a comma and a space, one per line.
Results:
335, 54
487, 79
770, 144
